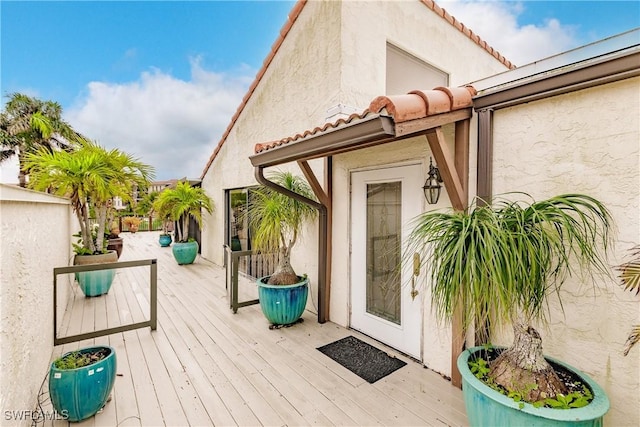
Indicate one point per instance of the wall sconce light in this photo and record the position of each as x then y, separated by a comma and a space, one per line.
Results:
432, 186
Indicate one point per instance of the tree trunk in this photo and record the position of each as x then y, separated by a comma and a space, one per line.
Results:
284, 274
22, 179
523, 369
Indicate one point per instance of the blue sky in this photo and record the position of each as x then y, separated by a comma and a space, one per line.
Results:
152, 76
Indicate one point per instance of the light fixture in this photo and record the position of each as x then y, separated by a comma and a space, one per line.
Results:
432, 186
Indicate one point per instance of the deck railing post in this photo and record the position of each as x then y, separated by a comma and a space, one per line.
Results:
153, 295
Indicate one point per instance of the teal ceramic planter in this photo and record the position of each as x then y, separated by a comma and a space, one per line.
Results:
95, 283
283, 305
165, 240
487, 407
77, 394
185, 253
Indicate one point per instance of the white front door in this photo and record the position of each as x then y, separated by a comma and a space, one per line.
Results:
383, 203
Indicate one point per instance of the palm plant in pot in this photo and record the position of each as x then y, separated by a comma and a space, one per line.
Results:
165, 216
91, 177
181, 204
498, 264
276, 222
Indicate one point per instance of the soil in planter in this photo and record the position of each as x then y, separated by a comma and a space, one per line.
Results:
573, 382
78, 359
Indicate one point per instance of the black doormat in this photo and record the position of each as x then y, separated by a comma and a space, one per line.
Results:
364, 360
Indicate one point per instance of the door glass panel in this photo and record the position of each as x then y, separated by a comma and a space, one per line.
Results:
384, 202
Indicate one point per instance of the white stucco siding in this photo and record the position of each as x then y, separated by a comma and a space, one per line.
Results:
585, 142
413, 27
300, 84
35, 237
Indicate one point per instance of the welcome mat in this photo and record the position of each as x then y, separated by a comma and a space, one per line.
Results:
363, 359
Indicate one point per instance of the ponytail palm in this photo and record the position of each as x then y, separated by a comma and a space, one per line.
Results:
499, 263
276, 221
181, 203
89, 175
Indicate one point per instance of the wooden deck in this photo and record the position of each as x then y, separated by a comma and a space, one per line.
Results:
206, 366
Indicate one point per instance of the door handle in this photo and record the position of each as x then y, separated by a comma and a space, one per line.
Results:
416, 264
416, 273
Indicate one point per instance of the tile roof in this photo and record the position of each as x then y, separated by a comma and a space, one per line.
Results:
293, 16
414, 105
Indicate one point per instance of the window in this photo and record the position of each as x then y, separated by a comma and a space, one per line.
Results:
237, 221
406, 72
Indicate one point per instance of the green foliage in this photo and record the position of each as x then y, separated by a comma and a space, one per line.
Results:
276, 219
574, 399
91, 176
81, 358
28, 125
501, 261
73, 360
479, 368
181, 203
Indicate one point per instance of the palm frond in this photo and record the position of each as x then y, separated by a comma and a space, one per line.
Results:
500, 262
630, 272
632, 339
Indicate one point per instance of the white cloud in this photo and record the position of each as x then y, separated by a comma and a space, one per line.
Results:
497, 24
171, 124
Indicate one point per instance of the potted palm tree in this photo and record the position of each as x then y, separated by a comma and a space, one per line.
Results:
276, 221
165, 216
498, 264
181, 204
91, 177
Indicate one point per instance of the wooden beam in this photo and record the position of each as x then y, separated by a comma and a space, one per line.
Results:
447, 167
314, 183
418, 126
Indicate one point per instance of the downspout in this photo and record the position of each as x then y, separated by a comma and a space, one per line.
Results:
484, 181
322, 238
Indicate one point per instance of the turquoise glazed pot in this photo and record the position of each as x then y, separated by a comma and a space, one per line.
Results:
283, 304
165, 240
95, 283
487, 407
185, 253
77, 394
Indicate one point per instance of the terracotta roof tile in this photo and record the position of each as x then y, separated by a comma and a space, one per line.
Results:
422, 103
416, 104
286, 28
264, 146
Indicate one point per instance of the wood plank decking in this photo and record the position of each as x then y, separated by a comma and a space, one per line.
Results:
206, 366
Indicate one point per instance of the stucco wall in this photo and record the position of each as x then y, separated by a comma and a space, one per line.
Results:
296, 90
586, 142
414, 28
35, 237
